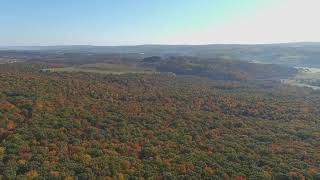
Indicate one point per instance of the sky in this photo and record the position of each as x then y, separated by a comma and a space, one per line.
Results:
133, 22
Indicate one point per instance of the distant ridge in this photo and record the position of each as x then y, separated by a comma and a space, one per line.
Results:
132, 47
291, 54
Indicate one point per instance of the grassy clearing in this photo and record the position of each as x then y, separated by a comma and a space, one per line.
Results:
103, 69
306, 77
8, 61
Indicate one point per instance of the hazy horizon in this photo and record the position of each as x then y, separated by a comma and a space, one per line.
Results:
128, 23
122, 45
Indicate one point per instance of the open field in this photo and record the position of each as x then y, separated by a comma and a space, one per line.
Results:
103, 68
306, 77
8, 61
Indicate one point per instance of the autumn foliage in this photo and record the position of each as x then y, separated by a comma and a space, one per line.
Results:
153, 126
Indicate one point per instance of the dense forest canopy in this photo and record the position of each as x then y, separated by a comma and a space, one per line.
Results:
76, 125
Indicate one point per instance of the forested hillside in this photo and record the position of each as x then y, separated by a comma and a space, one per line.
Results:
60, 125
218, 69
290, 54
212, 68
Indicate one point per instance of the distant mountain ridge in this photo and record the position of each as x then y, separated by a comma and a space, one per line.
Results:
133, 47
291, 54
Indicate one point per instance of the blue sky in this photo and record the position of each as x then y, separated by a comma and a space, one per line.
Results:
129, 22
